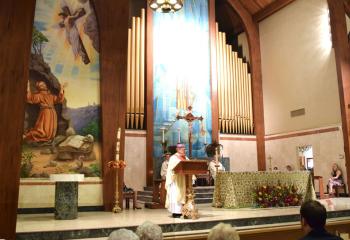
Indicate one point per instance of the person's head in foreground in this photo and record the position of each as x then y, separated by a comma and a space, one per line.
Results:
313, 216
123, 234
223, 231
313, 220
149, 231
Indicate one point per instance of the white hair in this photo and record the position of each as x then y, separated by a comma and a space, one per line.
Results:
223, 231
149, 231
123, 234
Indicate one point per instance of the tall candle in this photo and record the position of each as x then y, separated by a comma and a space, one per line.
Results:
178, 135
118, 134
163, 140
205, 137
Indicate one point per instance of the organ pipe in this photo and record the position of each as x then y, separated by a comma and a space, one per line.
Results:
136, 73
234, 89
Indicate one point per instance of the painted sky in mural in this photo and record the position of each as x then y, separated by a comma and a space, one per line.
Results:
182, 75
83, 79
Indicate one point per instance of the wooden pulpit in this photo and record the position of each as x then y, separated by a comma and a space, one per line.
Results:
189, 168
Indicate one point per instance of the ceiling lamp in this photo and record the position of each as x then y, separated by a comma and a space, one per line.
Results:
166, 6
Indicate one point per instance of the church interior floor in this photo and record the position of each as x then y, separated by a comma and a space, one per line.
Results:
88, 224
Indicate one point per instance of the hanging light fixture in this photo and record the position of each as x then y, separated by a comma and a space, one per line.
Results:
166, 6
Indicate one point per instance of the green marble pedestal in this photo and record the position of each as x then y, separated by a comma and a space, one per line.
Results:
66, 195
66, 200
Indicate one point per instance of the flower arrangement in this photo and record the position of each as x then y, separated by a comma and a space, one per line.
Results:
277, 196
118, 164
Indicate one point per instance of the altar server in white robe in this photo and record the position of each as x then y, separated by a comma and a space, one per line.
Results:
175, 184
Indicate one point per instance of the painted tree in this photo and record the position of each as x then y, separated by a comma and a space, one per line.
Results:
38, 40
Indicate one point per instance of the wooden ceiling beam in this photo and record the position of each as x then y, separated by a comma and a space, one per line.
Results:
347, 7
271, 9
252, 30
250, 6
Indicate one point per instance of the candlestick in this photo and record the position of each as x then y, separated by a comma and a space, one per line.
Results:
163, 140
118, 134
270, 162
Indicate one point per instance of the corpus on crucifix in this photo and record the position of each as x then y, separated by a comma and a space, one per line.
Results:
189, 118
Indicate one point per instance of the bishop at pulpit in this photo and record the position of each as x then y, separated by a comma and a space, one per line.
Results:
179, 180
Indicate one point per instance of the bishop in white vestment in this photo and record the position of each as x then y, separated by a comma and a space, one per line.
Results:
175, 184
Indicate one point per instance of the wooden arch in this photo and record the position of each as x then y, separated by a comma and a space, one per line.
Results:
251, 28
16, 22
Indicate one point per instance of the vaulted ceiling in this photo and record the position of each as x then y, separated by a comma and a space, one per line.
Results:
254, 6
230, 22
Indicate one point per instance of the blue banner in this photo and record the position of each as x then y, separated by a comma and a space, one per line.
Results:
181, 51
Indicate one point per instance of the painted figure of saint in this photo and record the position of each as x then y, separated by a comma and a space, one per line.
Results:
72, 32
45, 126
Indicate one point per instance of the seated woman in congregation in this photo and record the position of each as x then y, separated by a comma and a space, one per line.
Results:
336, 179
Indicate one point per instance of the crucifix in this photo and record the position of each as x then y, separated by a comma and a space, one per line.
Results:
189, 118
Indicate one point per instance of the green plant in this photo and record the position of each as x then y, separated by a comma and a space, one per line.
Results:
26, 163
92, 128
95, 169
38, 39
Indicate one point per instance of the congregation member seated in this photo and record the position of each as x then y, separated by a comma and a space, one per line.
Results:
336, 178
149, 231
212, 168
313, 221
123, 234
223, 231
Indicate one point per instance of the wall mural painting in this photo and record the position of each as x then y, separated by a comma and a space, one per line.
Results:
181, 79
62, 117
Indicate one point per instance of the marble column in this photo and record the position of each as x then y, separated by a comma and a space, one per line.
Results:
66, 200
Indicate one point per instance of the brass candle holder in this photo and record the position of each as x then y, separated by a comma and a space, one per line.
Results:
117, 164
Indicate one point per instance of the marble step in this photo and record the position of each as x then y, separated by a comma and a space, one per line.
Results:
145, 193
208, 193
209, 189
199, 198
144, 198
203, 200
203, 195
148, 189
195, 189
